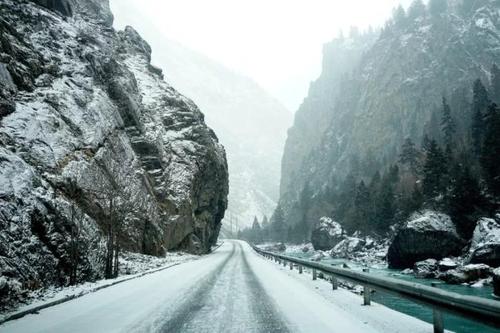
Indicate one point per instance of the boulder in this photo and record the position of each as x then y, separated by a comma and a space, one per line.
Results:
347, 247
318, 256
278, 247
446, 264
485, 245
426, 268
496, 282
426, 234
328, 234
466, 274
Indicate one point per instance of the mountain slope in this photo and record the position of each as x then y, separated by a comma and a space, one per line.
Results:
391, 95
97, 152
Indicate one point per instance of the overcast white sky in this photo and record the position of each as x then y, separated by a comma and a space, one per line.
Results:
278, 43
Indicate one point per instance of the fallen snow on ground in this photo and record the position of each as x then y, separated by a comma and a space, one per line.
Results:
132, 265
333, 310
231, 290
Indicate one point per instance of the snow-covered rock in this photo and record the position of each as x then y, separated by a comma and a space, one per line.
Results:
347, 246
426, 268
92, 142
318, 256
426, 234
447, 264
277, 247
485, 244
327, 235
466, 274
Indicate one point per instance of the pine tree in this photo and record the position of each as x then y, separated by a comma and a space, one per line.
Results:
417, 199
495, 83
362, 207
447, 125
265, 222
399, 16
256, 231
417, 9
426, 143
480, 102
409, 156
490, 153
465, 200
278, 225
412, 202
385, 205
301, 232
393, 175
434, 172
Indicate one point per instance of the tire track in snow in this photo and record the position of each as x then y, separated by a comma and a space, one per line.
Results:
229, 299
192, 305
263, 306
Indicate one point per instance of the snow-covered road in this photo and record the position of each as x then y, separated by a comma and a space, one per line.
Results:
231, 290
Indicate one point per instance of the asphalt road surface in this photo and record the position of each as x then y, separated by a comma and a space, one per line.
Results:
230, 290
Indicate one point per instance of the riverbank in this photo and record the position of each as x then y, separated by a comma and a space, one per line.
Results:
380, 267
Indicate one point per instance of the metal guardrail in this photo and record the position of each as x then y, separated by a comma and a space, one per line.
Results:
478, 309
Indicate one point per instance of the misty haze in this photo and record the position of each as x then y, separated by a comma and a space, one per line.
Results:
250, 166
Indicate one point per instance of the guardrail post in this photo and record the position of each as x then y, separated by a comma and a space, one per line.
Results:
437, 317
284, 263
300, 269
315, 274
438, 321
291, 266
366, 291
335, 283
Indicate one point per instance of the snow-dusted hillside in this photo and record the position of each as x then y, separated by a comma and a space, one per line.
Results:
94, 147
389, 95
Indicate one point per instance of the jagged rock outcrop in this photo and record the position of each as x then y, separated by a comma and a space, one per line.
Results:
94, 144
485, 244
425, 235
328, 234
249, 122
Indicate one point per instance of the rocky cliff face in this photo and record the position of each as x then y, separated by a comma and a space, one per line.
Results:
93, 141
250, 123
340, 58
387, 96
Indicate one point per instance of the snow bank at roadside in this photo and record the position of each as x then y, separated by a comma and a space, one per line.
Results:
132, 265
334, 310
